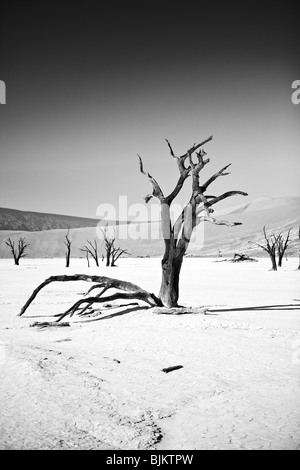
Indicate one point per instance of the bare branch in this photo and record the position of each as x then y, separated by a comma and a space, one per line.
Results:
68, 241
11, 245
196, 146
91, 250
185, 172
157, 192
68, 244
225, 196
183, 176
214, 177
205, 206
282, 245
117, 253
98, 286
171, 150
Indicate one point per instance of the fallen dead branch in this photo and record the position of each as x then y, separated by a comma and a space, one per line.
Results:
238, 257
128, 290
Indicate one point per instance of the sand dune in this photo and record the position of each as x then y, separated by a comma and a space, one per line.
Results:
11, 219
142, 239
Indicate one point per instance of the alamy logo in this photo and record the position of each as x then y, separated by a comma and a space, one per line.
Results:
2, 92
296, 94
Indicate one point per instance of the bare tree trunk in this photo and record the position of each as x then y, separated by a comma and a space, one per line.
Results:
68, 244
171, 266
274, 265
113, 261
169, 289
108, 257
282, 246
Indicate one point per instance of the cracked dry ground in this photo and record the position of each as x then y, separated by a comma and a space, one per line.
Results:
100, 385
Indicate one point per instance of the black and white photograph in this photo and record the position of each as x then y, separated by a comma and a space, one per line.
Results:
149, 228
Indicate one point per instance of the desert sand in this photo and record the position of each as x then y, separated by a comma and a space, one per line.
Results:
98, 384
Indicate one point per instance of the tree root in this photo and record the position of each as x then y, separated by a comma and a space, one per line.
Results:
129, 291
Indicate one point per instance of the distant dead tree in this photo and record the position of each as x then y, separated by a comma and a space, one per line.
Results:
68, 244
116, 254
282, 246
108, 245
91, 249
18, 250
112, 252
270, 248
239, 257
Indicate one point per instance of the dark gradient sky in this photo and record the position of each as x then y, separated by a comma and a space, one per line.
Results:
89, 87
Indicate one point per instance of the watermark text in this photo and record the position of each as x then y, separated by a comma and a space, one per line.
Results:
2, 92
296, 94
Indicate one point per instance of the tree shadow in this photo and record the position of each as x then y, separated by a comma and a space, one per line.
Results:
103, 315
259, 308
43, 316
112, 315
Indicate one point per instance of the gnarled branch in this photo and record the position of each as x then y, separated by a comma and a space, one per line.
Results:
157, 192
225, 196
129, 291
214, 177
196, 146
185, 171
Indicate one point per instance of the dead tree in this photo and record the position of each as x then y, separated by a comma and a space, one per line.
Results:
18, 250
91, 249
282, 246
108, 245
199, 209
116, 254
68, 244
270, 248
176, 236
112, 252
